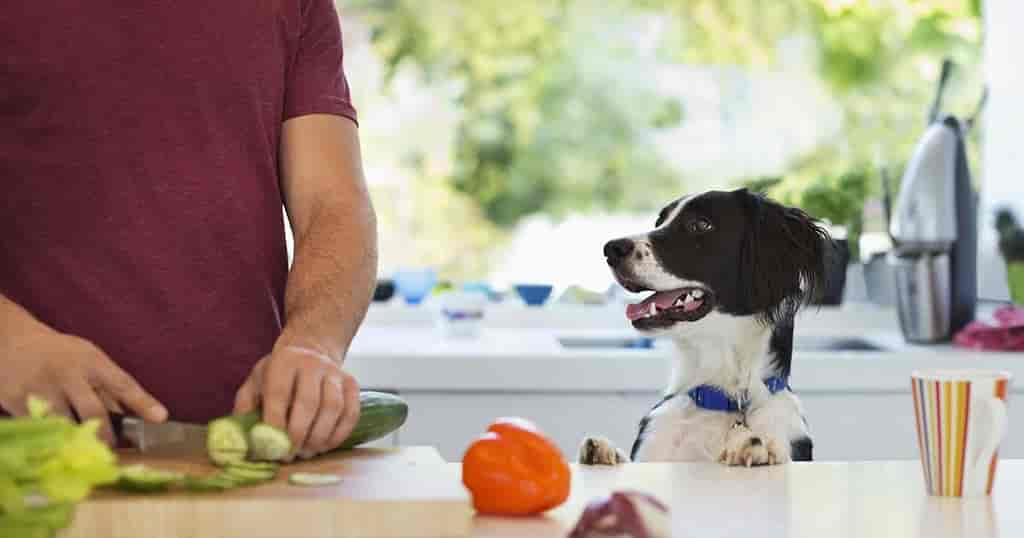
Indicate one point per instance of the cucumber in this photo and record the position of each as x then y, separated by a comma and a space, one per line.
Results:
146, 479
231, 439
380, 415
227, 438
214, 482
313, 479
267, 443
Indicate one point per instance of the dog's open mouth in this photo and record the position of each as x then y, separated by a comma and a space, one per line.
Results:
664, 308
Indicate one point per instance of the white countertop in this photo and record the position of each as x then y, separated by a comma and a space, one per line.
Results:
812, 500
400, 349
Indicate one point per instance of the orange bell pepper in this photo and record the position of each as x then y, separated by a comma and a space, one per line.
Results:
515, 470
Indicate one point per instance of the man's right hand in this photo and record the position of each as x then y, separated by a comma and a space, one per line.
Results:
73, 375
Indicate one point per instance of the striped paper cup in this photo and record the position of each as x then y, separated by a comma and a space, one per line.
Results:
961, 420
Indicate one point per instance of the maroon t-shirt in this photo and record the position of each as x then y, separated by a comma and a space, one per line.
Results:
140, 200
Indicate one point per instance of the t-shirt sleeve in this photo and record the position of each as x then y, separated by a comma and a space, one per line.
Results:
316, 81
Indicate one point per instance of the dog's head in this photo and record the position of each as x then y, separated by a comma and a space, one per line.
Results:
721, 253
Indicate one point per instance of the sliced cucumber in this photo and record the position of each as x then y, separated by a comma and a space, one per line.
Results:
314, 479
214, 482
267, 466
249, 476
146, 479
267, 443
243, 481
240, 438
227, 438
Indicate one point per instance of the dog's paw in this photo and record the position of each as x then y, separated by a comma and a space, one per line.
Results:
600, 451
744, 447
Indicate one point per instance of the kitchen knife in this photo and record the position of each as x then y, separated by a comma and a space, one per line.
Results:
147, 437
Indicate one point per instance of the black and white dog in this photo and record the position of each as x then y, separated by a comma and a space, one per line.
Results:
729, 271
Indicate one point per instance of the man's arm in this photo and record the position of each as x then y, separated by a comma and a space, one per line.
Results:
300, 385
335, 229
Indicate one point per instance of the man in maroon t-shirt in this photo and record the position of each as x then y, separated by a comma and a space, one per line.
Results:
146, 150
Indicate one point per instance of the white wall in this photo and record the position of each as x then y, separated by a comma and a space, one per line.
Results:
1003, 120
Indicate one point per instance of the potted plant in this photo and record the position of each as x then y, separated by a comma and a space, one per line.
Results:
1011, 246
838, 200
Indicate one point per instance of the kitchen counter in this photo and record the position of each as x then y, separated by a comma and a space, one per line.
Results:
812, 500
508, 359
519, 349
517, 366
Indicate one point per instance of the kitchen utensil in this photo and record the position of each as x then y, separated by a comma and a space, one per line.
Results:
384, 290
922, 295
144, 436
961, 421
534, 294
934, 229
415, 284
404, 493
878, 279
479, 287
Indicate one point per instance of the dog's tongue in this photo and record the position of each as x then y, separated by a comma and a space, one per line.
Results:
663, 299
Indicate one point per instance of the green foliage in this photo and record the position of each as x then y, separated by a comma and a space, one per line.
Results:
1011, 236
557, 114
763, 184
1005, 221
837, 199
545, 127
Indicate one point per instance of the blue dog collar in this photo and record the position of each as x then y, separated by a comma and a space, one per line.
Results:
715, 399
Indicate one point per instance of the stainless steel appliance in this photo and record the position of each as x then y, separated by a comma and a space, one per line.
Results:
934, 229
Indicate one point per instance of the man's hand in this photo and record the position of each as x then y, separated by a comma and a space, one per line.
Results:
73, 375
305, 393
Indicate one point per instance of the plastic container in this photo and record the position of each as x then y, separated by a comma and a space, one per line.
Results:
461, 314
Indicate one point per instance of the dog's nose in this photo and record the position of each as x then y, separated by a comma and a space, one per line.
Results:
617, 250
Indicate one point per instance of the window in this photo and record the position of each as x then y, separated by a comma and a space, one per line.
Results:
508, 141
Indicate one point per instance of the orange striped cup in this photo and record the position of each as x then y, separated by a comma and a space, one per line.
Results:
961, 420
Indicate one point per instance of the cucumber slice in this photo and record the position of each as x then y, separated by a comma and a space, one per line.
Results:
267, 466
146, 479
314, 479
249, 475
267, 443
227, 438
240, 481
214, 482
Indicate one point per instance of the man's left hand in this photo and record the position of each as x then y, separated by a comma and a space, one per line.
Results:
306, 393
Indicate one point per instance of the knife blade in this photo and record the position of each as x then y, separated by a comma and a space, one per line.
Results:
146, 437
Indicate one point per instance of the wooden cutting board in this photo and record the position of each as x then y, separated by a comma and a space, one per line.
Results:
404, 492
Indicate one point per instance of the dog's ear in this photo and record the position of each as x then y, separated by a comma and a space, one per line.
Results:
784, 257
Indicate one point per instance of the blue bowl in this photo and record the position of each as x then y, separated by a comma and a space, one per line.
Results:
534, 294
415, 284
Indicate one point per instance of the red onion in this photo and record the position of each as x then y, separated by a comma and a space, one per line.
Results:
624, 514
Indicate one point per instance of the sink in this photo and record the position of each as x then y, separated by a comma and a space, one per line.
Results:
837, 343
606, 342
816, 341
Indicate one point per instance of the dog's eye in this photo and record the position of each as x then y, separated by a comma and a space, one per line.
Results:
699, 226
